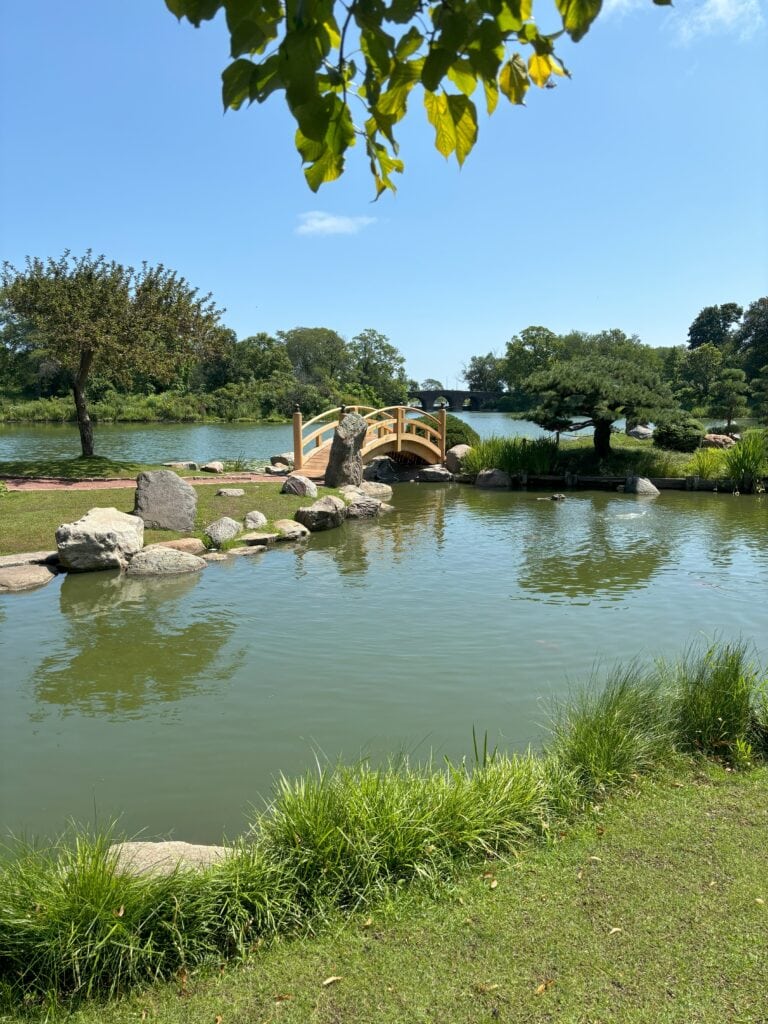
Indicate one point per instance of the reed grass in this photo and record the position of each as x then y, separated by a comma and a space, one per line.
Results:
513, 455
746, 462
707, 464
75, 925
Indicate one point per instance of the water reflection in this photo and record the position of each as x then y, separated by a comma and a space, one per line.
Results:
589, 553
131, 642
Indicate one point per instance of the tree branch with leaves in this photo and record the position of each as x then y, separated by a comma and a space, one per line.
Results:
348, 69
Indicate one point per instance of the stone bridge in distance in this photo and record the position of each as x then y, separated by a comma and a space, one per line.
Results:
454, 401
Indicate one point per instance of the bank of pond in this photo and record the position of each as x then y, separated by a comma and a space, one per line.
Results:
78, 920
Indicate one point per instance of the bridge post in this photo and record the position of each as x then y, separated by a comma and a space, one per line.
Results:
399, 427
443, 428
298, 455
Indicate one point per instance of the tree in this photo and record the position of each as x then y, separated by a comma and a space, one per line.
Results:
535, 348
378, 366
699, 373
760, 394
715, 326
729, 397
332, 59
752, 337
485, 373
579, 393
318, 355
96, 316
430, 384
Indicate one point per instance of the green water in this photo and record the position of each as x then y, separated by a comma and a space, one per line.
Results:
174, 704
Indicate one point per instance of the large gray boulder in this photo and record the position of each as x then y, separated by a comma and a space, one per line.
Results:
718, 441
290, 530
255, 520
454, 456
301, 485
222, 530
640, 433
363, 508
640, 485
381, 469
164, 501
164, 562
285, 459
15, 578
101, 539
376, 490
164, 858
345, 463
324, 514
434, 475
493, 478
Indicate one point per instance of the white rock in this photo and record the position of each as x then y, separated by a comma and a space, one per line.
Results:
454, 456
102, 539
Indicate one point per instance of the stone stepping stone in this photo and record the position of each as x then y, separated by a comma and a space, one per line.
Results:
16, 578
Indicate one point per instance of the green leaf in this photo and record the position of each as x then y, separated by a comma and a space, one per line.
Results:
300, 56
463, 76
394, 101
491, 94
409, 43
436, 66
236, 83
454, 119
513, 80
377, 47
194, 10
403, 11
578, 16
252, 26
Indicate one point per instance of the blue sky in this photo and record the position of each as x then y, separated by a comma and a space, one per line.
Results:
631, 196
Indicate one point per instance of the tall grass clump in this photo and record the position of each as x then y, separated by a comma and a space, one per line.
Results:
74, 925
747, 461
707, 464
513, 455
346, 832
606, 737
715, 699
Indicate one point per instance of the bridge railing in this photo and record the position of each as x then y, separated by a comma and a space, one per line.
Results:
397, 422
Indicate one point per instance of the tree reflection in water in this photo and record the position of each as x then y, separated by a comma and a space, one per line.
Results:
131, 642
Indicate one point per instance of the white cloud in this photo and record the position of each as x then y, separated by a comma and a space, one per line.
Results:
742, 18
692, 19
317, 222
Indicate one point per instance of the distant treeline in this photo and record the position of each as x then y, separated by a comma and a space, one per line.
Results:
259, 378
721, 372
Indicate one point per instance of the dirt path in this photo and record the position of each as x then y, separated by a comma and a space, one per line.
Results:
22, 484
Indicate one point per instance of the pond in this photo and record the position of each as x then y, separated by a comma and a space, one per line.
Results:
174, 704
167, 442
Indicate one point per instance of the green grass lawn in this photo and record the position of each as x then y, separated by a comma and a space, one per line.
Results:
80, 468
656, 912
29, 518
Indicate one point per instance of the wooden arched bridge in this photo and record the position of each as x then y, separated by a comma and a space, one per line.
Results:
395, 428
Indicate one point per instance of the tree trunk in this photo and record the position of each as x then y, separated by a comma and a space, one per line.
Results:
84, 424
602, 438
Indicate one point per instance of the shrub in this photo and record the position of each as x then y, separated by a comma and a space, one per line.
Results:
747, 461
707, 463
681, 433
514, 455
606, 737
714, 701
457, 431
